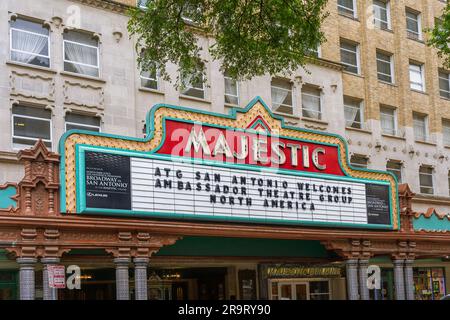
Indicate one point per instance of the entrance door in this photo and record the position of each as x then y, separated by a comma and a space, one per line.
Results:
293, 291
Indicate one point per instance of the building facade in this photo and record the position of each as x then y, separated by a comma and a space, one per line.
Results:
374, 82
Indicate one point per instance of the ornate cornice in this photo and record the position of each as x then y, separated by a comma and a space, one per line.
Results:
430, 212
106, 5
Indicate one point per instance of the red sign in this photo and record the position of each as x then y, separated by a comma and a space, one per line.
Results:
56, 277
248, 147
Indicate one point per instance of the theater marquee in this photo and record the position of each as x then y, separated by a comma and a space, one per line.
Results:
244, 167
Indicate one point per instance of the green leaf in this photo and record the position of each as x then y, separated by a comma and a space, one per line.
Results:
248, 37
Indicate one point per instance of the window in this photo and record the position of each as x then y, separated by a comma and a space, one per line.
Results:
444, 84
192, 85
29, 43
395, 167
449, 182
281, 90
388, 120
413, 25
191, 13
149, 78
311, 102
316, 53
446, 132
381, 14
81, 54
420, 127
416, 78
29, 125
359, 161
82, 122
353, 111
426, 179
350, 56
347, 8
231, 90
142, 4
385, 68
319, 290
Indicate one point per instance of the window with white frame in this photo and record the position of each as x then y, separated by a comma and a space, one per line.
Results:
81, 53
311, 102
82, 122
446, 132
426, 179
231, 90
416, 76
354, 113
381, 14
29, 124
142, 4
385, 67
388, 120
347, 8
149, 78
420, 124
350, 56
191, 12
359, 161
29, 43
413, 25
395, 167
444, 84
316, 53
281, 91
192, 85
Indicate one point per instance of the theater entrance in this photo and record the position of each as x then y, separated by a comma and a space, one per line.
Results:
298, 289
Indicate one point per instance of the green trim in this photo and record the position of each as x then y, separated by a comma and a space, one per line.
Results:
5, 197
433, 223
81, 190
232, 115
259, 122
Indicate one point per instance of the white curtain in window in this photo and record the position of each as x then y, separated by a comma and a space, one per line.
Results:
81, 54
230, 87
311, 106
350, 114
387, 124
27, 42
278, 97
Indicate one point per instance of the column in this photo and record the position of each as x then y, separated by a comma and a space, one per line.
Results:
122, 281
409, 279
26, 278
352, 279
399, 279
49, 293
363, 289
140, 278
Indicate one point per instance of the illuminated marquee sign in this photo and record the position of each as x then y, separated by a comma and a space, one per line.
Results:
244, 167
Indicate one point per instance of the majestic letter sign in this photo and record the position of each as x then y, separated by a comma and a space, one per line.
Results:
243, 167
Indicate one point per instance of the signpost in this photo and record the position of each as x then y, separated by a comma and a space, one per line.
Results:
56, 276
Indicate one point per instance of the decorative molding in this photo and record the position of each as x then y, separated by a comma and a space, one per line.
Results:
15, 197
84, 95
350, 248
33, 86
106, 5
40, 185
430, 212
